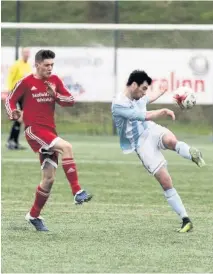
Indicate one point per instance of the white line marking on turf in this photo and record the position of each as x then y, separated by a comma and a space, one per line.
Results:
104, 212
95, 205
99, 162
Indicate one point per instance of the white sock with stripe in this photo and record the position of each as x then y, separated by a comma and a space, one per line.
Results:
175, 202
183, 149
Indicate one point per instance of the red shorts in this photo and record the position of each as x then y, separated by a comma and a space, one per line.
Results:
41, 139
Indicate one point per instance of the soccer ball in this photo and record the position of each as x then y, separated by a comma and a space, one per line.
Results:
185, 98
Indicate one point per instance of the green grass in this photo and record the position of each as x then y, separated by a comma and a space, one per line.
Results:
127, 227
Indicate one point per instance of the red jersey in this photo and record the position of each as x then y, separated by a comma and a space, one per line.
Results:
38, 105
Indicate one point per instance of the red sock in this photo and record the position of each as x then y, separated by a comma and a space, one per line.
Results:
40, 200
70, 170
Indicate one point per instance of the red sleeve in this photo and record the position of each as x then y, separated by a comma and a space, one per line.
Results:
63, 96
14, 96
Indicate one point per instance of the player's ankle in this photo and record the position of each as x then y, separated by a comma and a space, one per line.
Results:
34, 213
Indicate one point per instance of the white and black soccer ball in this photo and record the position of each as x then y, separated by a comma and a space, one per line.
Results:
185, 98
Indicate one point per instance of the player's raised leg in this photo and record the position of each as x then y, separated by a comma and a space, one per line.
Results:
169, 141
70, 170
41, 197
173, 198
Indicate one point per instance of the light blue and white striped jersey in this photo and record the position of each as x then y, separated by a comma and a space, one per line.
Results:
129, 117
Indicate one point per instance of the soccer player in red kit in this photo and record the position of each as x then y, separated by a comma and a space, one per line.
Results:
39, 93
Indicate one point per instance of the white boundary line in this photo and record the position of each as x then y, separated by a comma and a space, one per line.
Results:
99, 162
104, 145
104, 212
111, 206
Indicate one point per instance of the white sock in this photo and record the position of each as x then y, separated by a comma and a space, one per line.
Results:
183, 149
175, 202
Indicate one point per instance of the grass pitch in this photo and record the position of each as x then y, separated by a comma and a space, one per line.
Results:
127, 227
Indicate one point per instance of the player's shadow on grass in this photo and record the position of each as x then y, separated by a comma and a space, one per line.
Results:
31, 230
17, 228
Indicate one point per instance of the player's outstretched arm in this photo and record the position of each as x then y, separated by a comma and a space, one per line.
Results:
133, 113
62, 96
13, 98
154, 95
155, 114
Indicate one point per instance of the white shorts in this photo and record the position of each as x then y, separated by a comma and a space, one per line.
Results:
149, 150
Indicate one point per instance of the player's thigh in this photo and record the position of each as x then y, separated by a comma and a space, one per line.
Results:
163, 137
49, 164
150, 155
48, 157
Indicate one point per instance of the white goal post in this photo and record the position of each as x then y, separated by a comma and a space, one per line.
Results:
155, 27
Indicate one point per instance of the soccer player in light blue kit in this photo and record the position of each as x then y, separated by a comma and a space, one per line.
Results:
139, 133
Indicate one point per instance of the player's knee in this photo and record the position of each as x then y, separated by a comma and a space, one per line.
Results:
170, 141
63, 147
164, 178
67, 148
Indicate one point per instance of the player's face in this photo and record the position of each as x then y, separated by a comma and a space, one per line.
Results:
44, 68
139, 91
25, 54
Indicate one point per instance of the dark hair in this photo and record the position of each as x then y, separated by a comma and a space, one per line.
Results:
139, 76
44, 54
